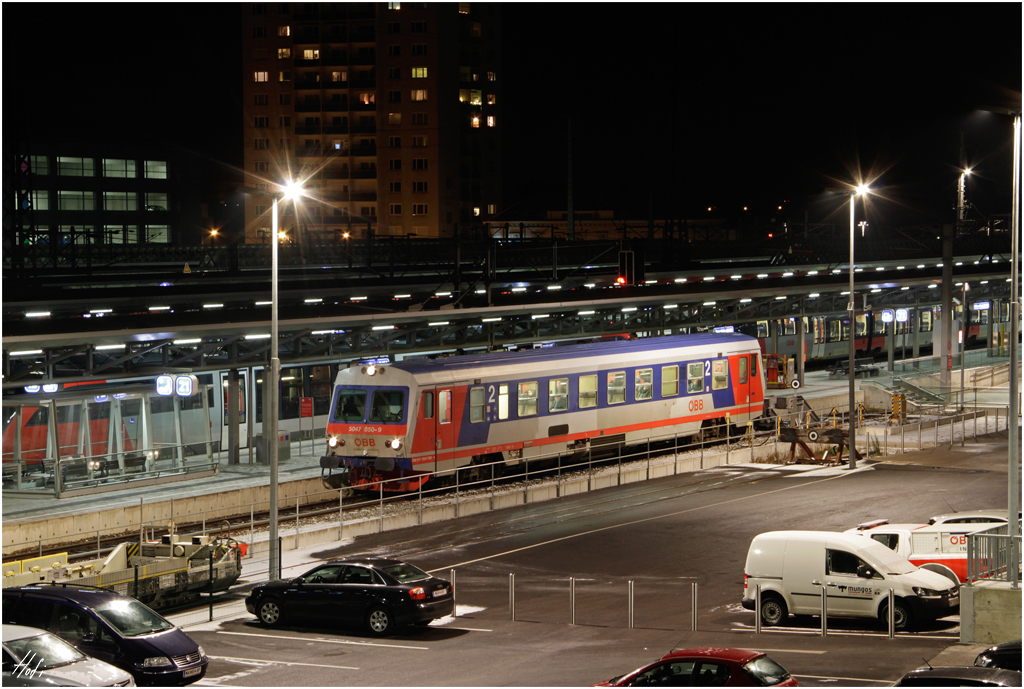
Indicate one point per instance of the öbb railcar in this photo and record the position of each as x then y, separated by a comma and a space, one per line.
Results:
400, 423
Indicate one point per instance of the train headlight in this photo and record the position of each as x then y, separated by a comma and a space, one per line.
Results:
395, 444
371, 369
332, 442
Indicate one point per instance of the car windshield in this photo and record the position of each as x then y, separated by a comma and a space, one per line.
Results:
885, 560
766, 671
405, 572
43, 652
131, 618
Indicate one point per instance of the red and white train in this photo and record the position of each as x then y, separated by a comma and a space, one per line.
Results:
399, 423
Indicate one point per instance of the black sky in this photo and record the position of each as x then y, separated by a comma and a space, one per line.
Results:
675, 106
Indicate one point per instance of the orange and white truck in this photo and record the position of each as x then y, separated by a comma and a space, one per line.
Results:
940, 548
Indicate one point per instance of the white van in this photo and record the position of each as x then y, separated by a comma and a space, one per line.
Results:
857, 572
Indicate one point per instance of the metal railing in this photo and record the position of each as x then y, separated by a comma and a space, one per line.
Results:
991, 556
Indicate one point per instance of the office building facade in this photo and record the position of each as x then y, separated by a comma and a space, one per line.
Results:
389, 113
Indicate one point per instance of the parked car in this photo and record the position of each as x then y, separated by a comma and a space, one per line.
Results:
970, 676
114, 628
1005, 655
35, 657
377, 593
792, 568
708, 667
993, 517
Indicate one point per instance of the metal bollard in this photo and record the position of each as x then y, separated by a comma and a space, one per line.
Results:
572, 600
512, 597
757, 609
824, 612
455, 608
693, 605
892, 614
630, 603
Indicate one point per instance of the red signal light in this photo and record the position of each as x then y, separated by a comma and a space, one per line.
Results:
621, 280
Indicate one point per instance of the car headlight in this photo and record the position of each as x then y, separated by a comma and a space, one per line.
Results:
983, 660
202, 653
926, 593
156, 661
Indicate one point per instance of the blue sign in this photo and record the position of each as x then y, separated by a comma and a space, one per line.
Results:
888, 316
902, 315
165, 385
724, 329
185, 386
981, 306
51, 387
32, 389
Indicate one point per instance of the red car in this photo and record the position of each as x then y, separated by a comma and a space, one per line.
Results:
708, 667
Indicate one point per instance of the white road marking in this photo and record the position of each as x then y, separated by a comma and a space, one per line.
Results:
780, 650
260, 661
326, 641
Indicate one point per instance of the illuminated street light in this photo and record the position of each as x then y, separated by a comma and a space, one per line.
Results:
861, 190
290, 190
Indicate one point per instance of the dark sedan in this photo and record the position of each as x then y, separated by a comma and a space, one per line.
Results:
1005, 655
707, 667
376, 593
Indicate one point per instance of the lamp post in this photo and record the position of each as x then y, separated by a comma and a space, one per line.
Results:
289, 190
859, 191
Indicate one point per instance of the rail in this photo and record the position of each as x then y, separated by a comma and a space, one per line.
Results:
994, 555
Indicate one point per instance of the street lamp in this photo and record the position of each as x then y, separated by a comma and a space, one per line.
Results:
859, 191
287, 191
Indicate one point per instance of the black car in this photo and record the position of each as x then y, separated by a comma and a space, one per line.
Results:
970, 676
377, 593
1005, 655
113, 628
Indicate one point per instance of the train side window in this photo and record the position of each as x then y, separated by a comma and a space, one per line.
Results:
669, 381
444, 405
695, 377
743, 370
503, 402
528, 399
476, 405
643, 384
616, 387
558, 394
926, 320
588, 392
753, 364
719, 374
428, 405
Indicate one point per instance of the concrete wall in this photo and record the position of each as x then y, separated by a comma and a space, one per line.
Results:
989, 613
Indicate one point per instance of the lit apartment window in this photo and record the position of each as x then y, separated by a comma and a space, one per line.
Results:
157, 234
261, 121
491, 99
260, 99
40, 165
419, 118
395, 209
311, 54
339, 76
394, 118
284, 53
260, 76
419, 163
475, 97
367, 98
156, 201
120, 201
284, 76
40, 199
476, 211
419, 187
284, 30
261, 144
419, 49
74, 167
394, 5
418, 94
419, 209
395, 187
419, 72
474, 121
120, 234
156, 169
491, 209
419, 142
339, 144
492, 76
463, 8
115, 167
490, 120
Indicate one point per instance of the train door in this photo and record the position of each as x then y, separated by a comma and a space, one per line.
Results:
243, 409
444, 425
746, 369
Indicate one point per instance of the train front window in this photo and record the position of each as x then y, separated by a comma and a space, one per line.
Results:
388, 406
350, 405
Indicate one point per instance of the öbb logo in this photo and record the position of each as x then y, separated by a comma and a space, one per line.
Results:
364, 442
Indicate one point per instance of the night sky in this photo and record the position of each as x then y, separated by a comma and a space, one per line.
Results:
674, 106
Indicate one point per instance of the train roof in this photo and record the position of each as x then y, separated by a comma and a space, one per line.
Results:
545, 357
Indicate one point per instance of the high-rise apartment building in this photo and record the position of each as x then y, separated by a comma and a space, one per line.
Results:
390, 112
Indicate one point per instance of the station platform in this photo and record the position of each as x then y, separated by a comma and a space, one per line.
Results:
43, 519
